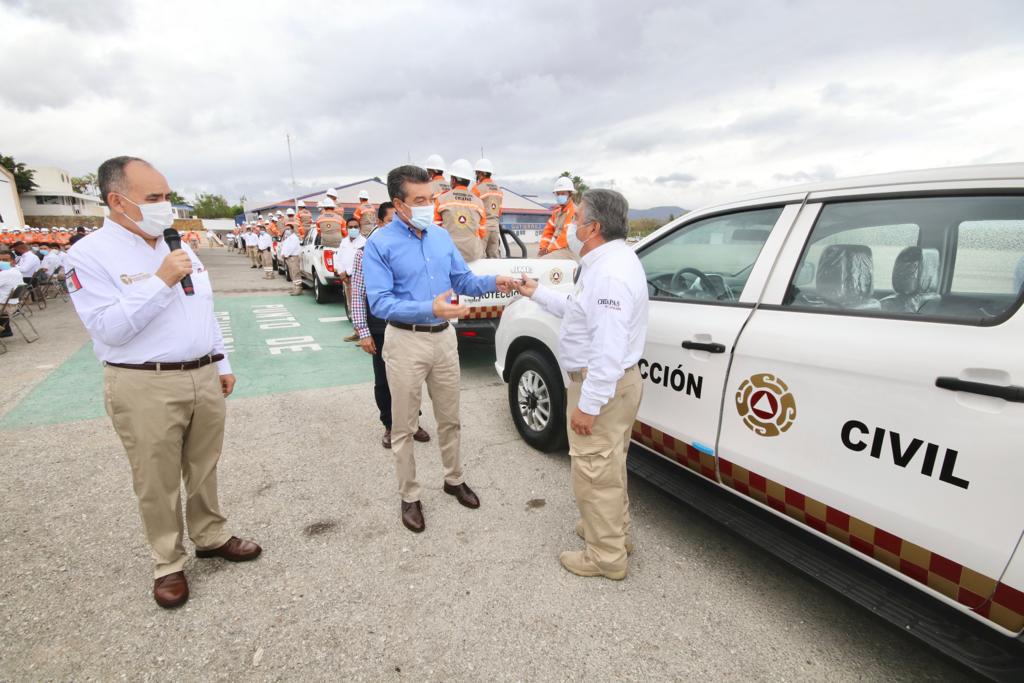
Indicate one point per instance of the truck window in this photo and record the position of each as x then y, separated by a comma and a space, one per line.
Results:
710, 259
955, 259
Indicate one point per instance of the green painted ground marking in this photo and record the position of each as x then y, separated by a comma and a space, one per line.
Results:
276, 344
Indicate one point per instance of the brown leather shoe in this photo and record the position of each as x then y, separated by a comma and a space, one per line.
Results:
421, 435
352, 337
235, 550
385, 440
412, 517
171, 591
463, 494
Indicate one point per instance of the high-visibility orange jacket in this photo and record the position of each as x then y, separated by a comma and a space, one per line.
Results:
492, 197
331, 223
305, 217
462, 214
366, 214
440, 186
273, 229
555, 236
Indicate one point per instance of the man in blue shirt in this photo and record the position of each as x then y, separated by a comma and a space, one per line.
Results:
411, 268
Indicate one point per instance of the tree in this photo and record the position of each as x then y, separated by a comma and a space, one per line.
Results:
86, 184
23, 176
577, 183
175, 198
209, 205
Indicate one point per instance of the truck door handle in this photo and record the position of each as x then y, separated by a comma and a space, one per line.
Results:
1011, 393
710, 347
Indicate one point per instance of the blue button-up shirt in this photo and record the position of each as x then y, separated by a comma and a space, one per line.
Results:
404, 273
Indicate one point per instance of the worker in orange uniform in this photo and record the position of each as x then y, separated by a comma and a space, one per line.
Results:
492, 197
366, 214
330, 224
305, 219
435, 167
462, 214
554, 240
292, 221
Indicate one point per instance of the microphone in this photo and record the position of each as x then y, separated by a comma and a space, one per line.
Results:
173, 240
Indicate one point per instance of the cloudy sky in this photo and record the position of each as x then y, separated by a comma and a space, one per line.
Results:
671, 102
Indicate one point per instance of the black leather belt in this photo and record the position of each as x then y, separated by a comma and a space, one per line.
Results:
186, 365
439, 327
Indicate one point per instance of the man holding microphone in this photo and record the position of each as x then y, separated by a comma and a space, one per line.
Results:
604, 326
149, 311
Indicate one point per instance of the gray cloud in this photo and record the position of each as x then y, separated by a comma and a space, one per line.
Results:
744, 91
813, 175
676, 179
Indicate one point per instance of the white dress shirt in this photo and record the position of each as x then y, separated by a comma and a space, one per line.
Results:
347, 252
51, 262
290, 246
63, 255
131, 314
264, 242
250, 239
9, 280
604, 320
28, 263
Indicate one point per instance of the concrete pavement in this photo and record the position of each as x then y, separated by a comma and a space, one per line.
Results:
343, 590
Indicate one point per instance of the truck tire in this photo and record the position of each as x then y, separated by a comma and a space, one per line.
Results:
321, 293
536, 399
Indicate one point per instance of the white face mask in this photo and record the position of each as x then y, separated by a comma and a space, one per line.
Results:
156, 217
422, 216
573, 242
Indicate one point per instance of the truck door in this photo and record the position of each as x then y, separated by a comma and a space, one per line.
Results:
876, 395
704, 278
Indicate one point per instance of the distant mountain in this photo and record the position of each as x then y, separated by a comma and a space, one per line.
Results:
659, 212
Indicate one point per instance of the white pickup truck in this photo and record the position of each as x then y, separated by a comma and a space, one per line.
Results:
317, 266
845, 356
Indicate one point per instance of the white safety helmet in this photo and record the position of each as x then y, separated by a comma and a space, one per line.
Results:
564, 184
290, 212
484, 166
363, 194
326, 203
462, 169
435, 162
331, 192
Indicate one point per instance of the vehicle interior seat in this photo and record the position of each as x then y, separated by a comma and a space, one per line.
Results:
845, 277
915, 281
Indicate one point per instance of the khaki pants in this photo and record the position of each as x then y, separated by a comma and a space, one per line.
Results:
293, 273
492, 244
171, 423
268, 263
254, 255
413, 358
599, 472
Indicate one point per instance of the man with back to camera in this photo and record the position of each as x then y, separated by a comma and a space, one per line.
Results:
165, 375
604, 326
411, 268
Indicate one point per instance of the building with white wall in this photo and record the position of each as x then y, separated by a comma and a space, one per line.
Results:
10, 208
54, 196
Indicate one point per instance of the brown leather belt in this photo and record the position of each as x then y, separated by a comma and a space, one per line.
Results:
186, 365
439, 327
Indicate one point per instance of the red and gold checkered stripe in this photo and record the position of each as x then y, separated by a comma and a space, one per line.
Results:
996, 601
674, 449
483, 313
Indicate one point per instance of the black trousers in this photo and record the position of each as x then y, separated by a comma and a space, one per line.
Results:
381, 390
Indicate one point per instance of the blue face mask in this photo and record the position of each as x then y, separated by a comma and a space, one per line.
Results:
44, 252
4, 265
561, 199
422, 216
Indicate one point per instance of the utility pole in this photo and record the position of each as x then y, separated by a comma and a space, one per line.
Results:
291, 167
